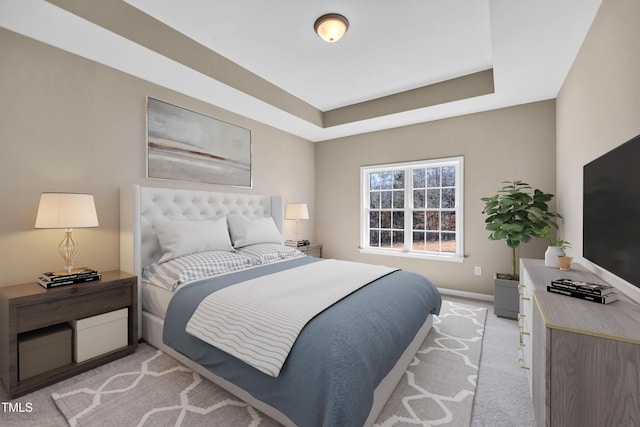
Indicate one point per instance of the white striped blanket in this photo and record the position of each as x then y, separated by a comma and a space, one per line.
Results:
259, 320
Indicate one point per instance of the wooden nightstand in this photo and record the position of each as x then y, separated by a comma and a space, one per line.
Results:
30, 307
314, 249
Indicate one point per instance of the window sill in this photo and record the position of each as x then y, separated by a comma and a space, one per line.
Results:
432, 257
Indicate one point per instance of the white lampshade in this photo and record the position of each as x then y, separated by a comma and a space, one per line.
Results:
66, 210
296, 211
331, 27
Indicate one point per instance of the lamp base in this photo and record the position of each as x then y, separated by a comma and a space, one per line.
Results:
68, 249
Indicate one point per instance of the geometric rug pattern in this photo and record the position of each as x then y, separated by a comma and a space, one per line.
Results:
439, 385
153, 389
157, 392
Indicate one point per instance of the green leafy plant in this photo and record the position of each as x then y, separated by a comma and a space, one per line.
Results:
545, 233
515, 214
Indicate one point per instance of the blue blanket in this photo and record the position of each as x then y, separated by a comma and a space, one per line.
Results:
340, 356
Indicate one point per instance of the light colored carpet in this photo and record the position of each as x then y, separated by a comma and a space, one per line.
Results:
151, 389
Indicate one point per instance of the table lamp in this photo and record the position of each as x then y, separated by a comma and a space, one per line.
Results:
296, 211
68, 211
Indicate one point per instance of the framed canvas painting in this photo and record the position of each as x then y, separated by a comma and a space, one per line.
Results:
188, 146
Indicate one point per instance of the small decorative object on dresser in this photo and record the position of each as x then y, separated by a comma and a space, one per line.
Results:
564, 262
555, 249
551, 256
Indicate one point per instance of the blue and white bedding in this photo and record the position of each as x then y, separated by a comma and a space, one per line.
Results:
340, 356
183, 269
259, 320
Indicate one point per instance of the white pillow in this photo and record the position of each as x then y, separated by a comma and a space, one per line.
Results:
178, 238
250, 231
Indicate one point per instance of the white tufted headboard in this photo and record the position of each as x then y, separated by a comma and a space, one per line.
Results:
140, 206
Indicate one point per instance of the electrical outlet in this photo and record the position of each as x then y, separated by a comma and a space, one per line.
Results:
477, 270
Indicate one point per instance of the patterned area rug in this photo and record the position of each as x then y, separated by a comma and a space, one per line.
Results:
439, 385
152, 389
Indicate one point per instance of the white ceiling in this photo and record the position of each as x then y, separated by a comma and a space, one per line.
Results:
390, 47
386, 50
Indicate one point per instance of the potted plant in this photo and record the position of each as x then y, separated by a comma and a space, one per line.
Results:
555, 249
564, 261
515, 214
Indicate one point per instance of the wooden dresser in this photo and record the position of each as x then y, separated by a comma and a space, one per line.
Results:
582, 358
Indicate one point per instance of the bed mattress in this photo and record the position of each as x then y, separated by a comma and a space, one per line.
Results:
155, 299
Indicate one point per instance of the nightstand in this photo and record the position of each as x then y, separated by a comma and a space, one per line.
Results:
30, 307
314, 249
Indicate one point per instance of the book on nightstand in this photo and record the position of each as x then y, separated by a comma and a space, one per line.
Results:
60, 278
297, 243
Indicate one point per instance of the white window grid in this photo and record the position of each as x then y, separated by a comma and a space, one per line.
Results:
407, 249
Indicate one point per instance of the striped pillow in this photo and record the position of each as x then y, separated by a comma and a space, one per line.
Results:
265, 253
178, 271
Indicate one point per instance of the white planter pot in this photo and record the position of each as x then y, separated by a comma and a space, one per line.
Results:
551, 256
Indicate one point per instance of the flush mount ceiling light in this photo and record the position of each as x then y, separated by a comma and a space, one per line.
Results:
331, 27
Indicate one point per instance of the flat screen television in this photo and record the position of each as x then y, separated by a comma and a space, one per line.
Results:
611, 203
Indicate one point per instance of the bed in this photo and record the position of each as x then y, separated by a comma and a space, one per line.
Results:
347, 358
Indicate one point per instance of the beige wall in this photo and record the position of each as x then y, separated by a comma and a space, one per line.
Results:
507, 144
69, 124
598, 108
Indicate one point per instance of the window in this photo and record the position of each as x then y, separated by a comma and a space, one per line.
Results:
413, 209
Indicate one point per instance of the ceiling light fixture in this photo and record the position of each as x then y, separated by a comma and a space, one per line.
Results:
331, 27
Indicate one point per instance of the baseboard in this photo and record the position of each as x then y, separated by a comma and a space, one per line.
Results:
464, 294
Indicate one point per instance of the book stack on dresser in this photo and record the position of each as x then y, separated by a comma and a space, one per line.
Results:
596, 292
